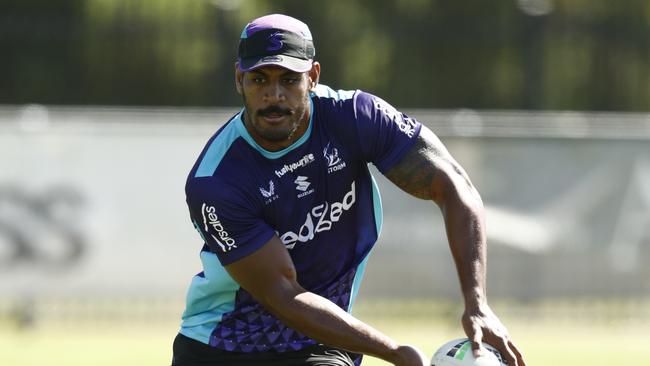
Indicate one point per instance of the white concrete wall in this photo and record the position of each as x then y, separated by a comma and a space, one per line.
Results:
92, 204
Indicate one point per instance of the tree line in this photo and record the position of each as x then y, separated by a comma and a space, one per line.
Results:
499, 54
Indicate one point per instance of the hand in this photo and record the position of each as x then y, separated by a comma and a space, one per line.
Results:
482, 325
407, 355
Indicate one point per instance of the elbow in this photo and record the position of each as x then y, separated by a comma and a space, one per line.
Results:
457, 191
278, 296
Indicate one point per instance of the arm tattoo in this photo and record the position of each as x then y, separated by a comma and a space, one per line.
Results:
416, 172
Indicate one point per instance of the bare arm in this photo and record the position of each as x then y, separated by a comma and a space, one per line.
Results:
269, 275
429, 172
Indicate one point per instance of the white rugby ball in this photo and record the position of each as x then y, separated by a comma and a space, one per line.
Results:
459, 353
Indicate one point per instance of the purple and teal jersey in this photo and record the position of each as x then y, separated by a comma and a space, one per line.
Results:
316, 195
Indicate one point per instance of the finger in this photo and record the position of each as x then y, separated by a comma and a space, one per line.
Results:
477, 339
506, 352
520, 357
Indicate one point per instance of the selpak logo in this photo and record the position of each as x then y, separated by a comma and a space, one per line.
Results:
211, 220
404, 123
320, 218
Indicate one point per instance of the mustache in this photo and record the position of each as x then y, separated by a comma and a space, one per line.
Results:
274, 109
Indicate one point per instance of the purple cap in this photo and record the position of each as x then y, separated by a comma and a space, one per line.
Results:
278, 40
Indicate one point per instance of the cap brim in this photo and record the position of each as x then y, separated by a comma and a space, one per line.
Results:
287, 62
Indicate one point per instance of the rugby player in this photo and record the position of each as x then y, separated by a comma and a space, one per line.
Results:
289, 212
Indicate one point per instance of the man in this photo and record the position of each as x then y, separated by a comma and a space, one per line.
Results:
289, 212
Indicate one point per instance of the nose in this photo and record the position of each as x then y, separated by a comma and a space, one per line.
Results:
274, 93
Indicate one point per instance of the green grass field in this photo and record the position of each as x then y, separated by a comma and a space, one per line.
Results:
595, 340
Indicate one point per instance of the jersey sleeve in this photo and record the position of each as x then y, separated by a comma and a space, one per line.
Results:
226, 220
385, 134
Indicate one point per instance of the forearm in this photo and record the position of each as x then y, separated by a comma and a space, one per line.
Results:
322, 320
463, 214
269, 276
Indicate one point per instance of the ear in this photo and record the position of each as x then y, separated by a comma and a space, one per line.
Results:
238, 79
314, 75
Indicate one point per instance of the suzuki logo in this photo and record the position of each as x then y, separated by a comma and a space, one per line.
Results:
301, 183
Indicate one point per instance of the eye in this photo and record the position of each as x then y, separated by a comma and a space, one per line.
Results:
258, 80
291, 80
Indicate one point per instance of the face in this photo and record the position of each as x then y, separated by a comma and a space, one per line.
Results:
276, 102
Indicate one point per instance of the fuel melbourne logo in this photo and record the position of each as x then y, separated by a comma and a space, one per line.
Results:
302, 184
320, 218
334, 162
211, 221
287, 168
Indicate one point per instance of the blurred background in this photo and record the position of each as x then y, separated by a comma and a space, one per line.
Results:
105, 105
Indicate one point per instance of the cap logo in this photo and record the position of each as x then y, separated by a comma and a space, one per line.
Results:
275, 42
271, 59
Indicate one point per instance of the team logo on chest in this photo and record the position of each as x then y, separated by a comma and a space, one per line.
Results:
334, 161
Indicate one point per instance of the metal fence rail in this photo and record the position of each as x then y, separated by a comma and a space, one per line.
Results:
446, 123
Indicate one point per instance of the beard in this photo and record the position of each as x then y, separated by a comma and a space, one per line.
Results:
275, 133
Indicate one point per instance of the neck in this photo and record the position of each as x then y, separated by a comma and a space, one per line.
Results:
277, 145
